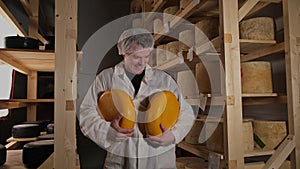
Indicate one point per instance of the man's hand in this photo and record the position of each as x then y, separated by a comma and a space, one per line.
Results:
165, 139
119, 133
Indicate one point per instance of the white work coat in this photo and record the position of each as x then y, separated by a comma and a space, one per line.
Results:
134, 152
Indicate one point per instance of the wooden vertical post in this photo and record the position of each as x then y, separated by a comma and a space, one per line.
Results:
291, 20
31, 94
32, 78
33, 25
233, 122
65, 83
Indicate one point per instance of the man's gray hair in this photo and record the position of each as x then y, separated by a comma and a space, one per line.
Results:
134, 36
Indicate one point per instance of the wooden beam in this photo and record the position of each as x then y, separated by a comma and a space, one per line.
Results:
33, 24
282, 152
4, 11
26, 7
233, 121
188, 11
32, 94
65, 83
291, 21
279, 47
246, 8
12, 105
9, 60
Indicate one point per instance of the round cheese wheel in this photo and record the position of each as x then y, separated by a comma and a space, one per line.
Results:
163, 109
35, 153
25, 131
2, 155
115, 102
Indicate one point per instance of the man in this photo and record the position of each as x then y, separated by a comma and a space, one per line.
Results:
129, 148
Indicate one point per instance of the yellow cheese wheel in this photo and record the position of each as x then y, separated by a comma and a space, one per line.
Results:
115, 102
162, 109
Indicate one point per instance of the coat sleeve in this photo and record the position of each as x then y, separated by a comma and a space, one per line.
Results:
91, 123
186, 116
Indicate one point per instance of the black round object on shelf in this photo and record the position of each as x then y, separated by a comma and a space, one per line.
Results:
25, 130
19, 42
42, 124
50, 42
2, 154
50, 128
46, 137
36, 152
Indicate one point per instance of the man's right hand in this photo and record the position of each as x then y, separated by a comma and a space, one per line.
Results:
120, 133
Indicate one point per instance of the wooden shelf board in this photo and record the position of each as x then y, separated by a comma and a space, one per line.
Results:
11, 139
28, 100
249, 45
12, 105
264, 100
258, 152
198, 150
259, 94
279, 47
34, 60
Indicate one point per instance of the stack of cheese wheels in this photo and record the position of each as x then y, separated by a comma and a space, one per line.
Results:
162, 109
115, 102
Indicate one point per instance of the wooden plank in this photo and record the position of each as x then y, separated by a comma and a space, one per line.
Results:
259, 6
198, 150
264, 100
186, 12
26, 60
246, 8
282, 152
48, 163
31, 94
279, 47
259, 94
7, 15
33, 23
233, 121
249, 45
27, 100
258, 152
12, 105
14, 63
291, 21
26, 7
11, 139
65, 83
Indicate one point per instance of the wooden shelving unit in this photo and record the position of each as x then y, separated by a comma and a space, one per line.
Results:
235, 51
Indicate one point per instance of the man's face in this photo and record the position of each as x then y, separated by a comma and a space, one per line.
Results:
136, 62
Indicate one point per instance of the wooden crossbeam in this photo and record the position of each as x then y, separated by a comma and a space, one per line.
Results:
246, 8
282, 152
4, 11
263, 52
9, 60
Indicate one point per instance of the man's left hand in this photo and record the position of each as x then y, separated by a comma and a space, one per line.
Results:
165, 139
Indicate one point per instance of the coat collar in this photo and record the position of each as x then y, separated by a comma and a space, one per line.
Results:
120, 71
